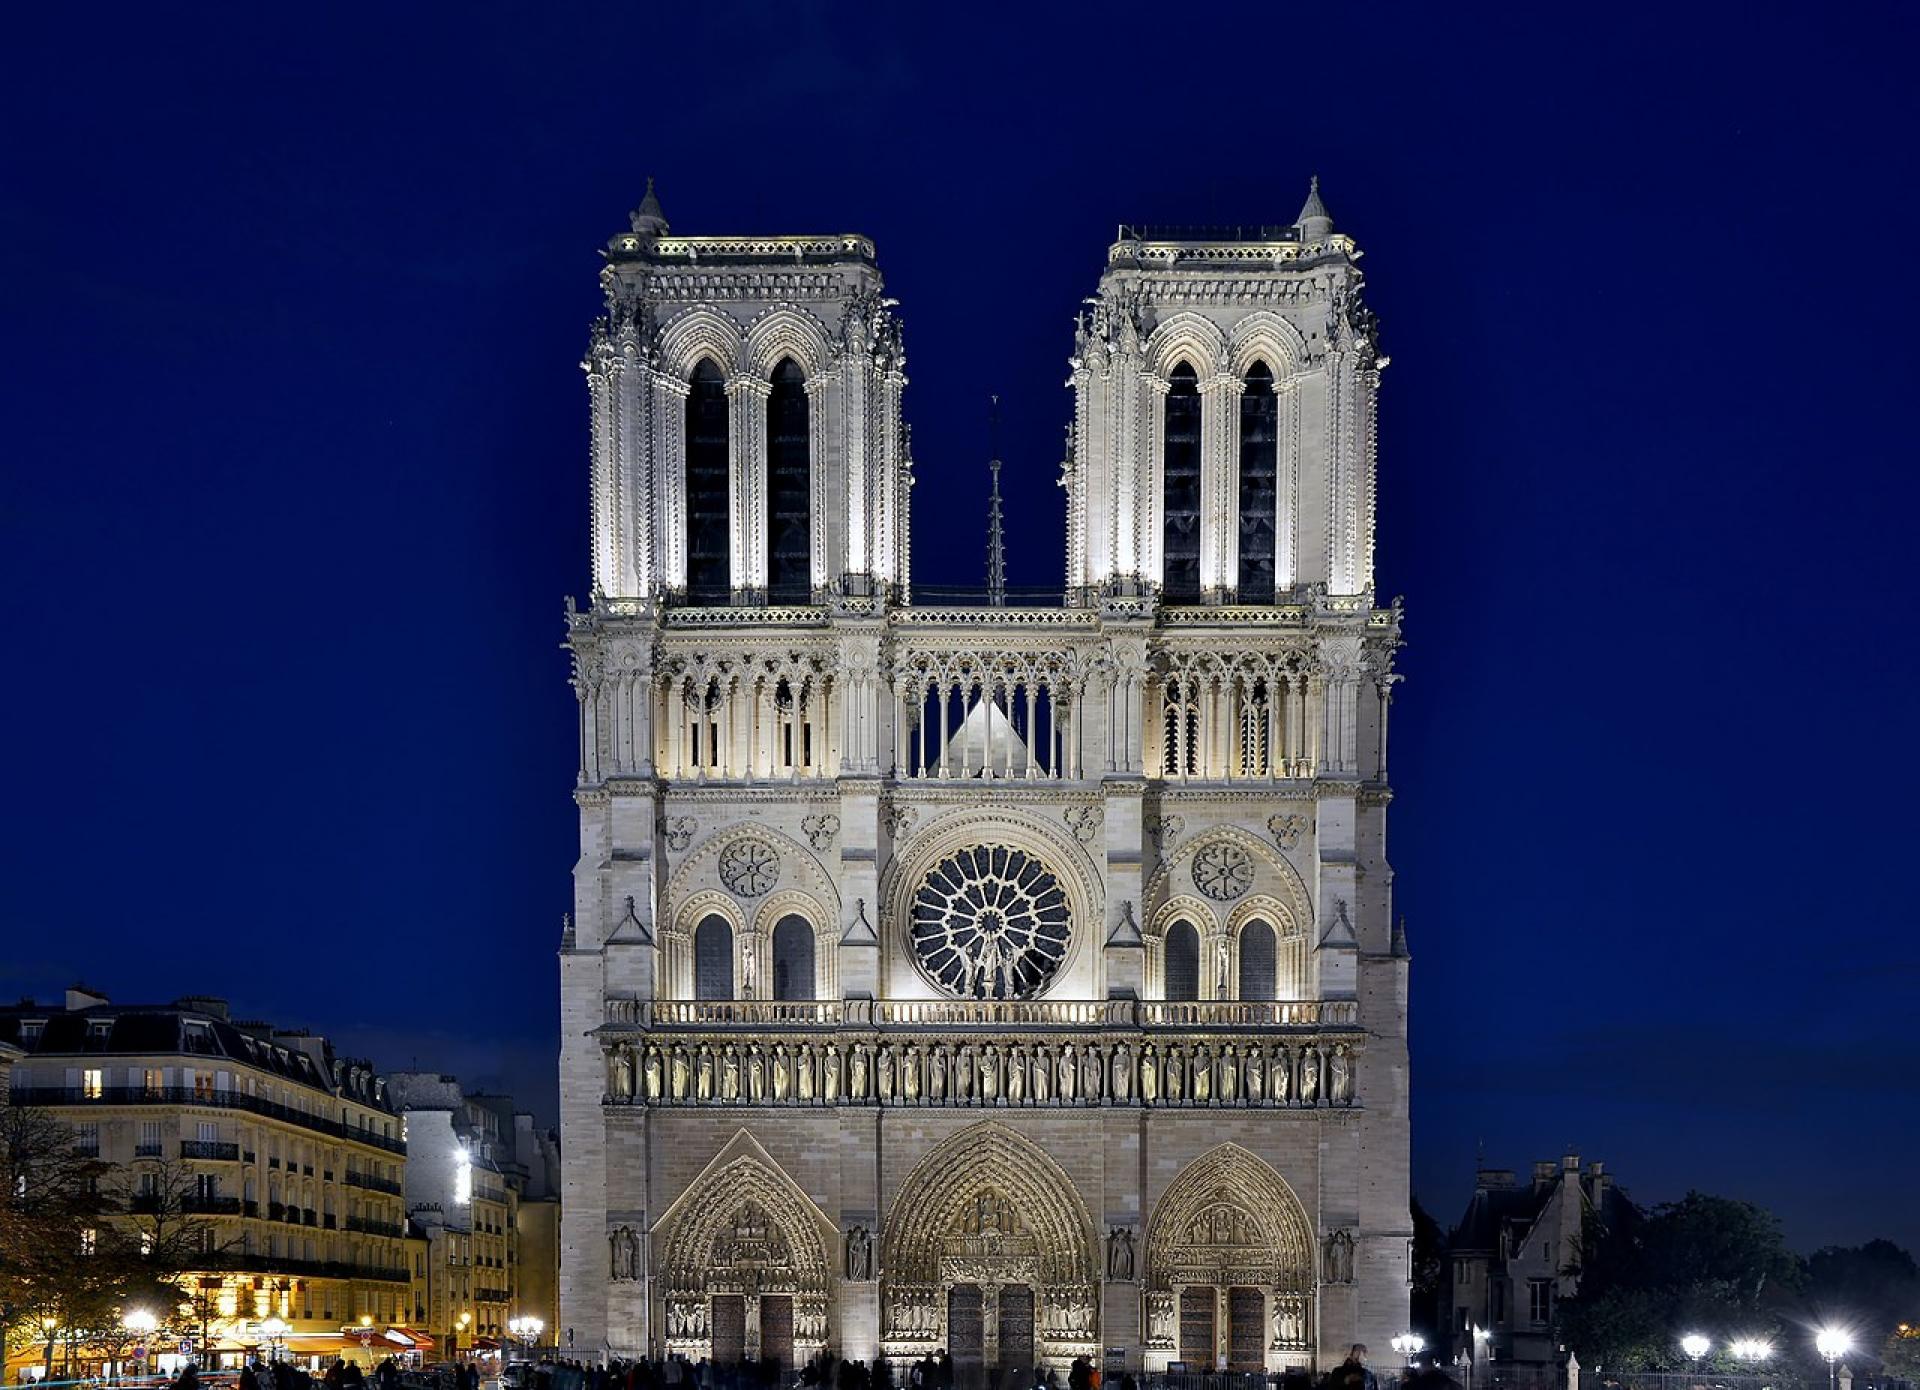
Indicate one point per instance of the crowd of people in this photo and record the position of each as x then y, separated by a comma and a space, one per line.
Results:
822, 1372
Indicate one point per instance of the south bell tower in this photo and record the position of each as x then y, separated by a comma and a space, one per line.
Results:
1018, 980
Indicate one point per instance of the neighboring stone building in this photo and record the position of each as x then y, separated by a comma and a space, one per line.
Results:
1515, 1254
1012, 979
9, 1054
292, 1154
481, 1193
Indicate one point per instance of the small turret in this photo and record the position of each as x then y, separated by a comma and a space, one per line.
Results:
1315, 221
649, 219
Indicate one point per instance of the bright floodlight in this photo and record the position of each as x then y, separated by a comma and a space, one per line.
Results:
1833, 1343
1695, 1346
1752, 1349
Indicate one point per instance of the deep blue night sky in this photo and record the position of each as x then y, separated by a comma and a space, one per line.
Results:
295, 481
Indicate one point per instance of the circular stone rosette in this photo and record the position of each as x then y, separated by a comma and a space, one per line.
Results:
990, 922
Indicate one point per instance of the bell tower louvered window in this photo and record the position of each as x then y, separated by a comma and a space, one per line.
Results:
1180, 503
709, 578
1259, 458
789, 528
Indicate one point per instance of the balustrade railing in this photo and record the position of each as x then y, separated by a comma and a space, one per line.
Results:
1129, 1014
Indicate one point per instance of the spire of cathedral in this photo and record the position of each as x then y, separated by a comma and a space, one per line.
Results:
1314, 219
648, 219
996, 540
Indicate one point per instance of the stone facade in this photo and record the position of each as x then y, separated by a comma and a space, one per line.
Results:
1516, 1252
1013, 979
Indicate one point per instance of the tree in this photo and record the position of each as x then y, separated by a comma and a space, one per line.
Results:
55, 1218
1700, 1262
1902, 1351
1872, 1288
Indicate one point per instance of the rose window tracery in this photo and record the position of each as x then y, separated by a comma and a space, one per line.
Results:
990, 922
1223, 871
749, 867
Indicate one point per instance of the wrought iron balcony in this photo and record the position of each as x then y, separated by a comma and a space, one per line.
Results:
210, 1149
214, 1099
373, 1184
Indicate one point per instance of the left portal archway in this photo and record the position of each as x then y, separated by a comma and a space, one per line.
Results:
744, 1269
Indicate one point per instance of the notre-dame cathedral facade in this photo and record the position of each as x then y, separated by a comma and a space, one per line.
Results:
1019, 980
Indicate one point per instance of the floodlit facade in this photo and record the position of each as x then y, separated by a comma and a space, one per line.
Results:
291, 1156
1013, 979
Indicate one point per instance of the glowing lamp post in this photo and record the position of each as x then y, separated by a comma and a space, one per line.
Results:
527, 1329
142, 1325
275, 1331
1695, 1346
1751, 1349
1409, 1345
1833, 1344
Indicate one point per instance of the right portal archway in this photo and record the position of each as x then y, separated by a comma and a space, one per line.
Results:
1229, 1267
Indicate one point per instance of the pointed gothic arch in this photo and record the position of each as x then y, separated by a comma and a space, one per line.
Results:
988, 1206
744, 1229
1229, 1239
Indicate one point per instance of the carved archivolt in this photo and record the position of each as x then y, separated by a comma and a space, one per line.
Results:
989, 1206
788, 332
1230, 1219
698, 332
744, 1226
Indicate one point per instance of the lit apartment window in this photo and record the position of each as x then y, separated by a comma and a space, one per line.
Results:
154, 1079
93, 1083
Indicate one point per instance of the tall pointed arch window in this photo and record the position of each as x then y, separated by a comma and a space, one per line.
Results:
709, 578
789, 524
1257, 966
793, 958
1183, 961
1180, 489
713, 958
1259, 479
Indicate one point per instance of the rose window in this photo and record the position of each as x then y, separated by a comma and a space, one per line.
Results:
749, 867
1222, 871
990, 923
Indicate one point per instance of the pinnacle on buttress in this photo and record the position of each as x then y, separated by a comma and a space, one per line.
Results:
1314, 219
648, 219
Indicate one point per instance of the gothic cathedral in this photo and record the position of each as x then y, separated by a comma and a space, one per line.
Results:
1016, 980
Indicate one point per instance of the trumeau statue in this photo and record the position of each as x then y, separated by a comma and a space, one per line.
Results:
997, 865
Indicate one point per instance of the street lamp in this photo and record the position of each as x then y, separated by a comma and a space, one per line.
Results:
1695, 1346
141, 1324
275, 1331
1751, 1349
1833, 1344
527, 1329
1409, 1345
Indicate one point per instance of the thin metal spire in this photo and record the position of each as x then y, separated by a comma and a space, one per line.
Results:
996, 539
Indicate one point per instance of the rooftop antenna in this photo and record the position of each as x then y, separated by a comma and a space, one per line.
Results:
996, 540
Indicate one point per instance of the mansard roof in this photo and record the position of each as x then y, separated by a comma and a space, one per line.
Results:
110, 1030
